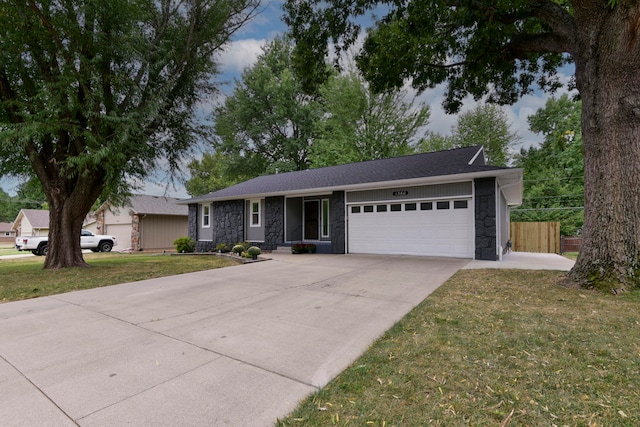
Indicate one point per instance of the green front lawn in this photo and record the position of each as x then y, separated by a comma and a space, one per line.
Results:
25, 278
495, 348
9, 249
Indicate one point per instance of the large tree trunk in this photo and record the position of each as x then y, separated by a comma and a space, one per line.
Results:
608, 78
70, 199
65, 224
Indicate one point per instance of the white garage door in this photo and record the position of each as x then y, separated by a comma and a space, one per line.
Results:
122, 233
434, 228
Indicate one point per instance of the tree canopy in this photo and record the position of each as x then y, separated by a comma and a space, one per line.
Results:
485, 125
481, 48
501, 51
358, 124
95, 94
554, 171
29, 195
269, 124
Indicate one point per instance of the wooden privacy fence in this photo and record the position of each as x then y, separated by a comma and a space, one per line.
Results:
535, 237
570, 243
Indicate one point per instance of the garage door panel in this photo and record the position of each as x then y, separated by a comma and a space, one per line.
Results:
436, 232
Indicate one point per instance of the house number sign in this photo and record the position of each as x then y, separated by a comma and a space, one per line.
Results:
401, 193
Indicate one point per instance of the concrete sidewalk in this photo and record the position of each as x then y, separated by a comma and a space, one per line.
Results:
527, 261
238, 346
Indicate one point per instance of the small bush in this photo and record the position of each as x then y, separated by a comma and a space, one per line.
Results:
254, 251
303, 248
184, 245
245, 245
222, 247
237, 249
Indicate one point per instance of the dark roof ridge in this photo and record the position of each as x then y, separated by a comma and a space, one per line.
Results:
474, 148
457, 161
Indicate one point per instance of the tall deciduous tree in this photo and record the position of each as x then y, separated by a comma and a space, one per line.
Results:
94, 92
211, 173
554, 171
358, 124
7, 210
485, 125
499, 50
267, 123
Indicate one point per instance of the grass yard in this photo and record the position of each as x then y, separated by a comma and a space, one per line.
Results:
571, 255
495, 348
9, 249
25, 278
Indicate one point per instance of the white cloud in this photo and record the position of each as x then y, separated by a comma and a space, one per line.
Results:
240, 54
517, 114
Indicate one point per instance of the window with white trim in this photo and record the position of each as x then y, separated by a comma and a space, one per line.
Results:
255, 213
206, 216
325, 218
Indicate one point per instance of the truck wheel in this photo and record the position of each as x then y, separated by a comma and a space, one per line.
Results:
35, 252
105, 246
43, 249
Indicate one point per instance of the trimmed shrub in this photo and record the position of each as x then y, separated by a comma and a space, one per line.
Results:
254, 251
238, 249
184, 245
245, 245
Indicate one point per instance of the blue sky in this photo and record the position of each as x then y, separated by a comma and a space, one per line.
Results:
247, 45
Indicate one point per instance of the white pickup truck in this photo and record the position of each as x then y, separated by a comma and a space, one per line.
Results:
38, 244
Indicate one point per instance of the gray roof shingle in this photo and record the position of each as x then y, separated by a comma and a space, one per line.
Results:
156, 205
439, 163
38, 218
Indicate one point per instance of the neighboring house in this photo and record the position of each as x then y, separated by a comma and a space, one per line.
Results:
146, 223
90, 223
7, 234
31, 222
446, 203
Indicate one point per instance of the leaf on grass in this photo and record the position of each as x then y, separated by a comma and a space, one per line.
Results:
622, 414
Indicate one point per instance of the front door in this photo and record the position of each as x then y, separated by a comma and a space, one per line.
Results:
311, 219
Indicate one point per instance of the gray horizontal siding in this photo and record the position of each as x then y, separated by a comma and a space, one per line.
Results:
454, 189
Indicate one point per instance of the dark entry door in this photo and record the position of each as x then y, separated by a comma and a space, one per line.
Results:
311, 219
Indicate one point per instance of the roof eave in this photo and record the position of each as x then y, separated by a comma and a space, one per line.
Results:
504, 174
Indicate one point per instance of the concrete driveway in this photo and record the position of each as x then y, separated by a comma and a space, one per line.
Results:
238, 346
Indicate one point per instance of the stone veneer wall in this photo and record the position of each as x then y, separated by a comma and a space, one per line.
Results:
338, 232
227, 222
273, 222
100, 222
485, 219
193, 221
135, 232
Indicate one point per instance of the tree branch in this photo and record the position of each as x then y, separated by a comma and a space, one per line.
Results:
538, 43
561, 22
56, 38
